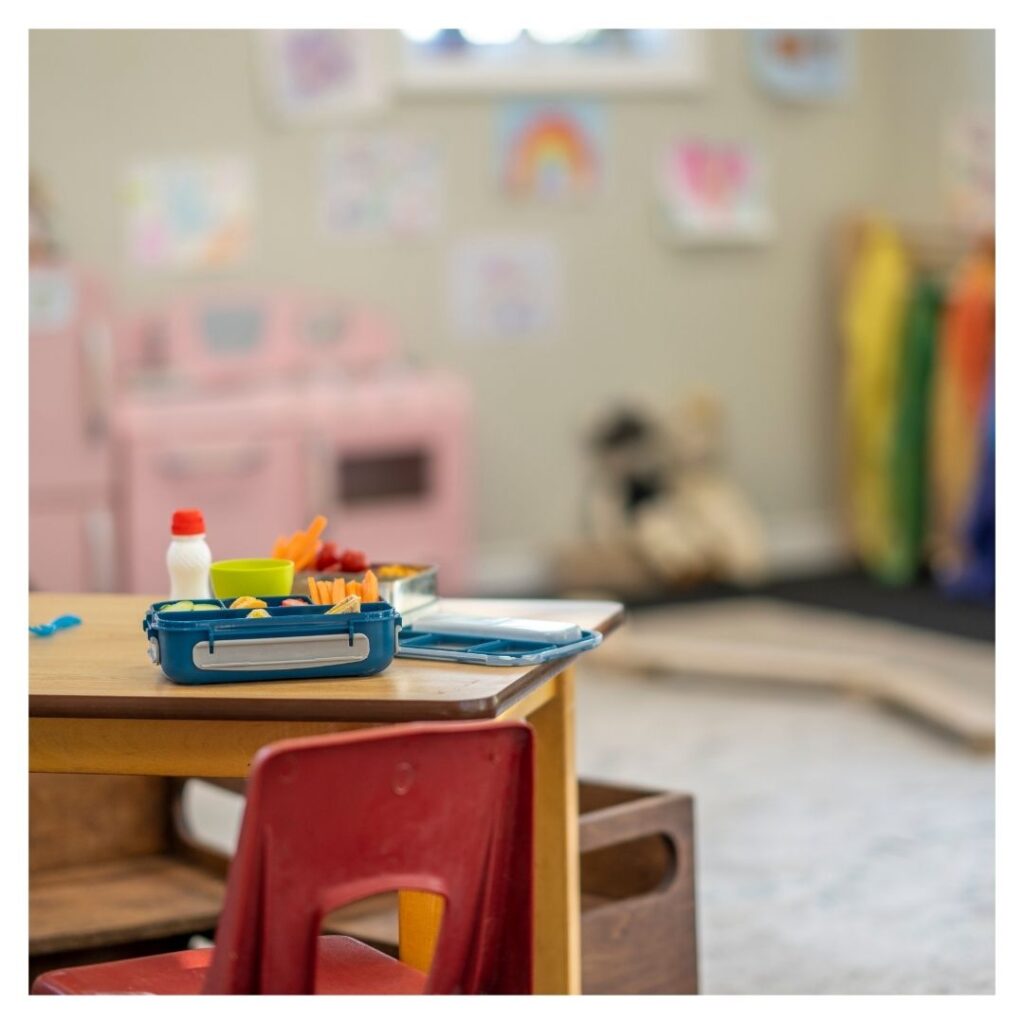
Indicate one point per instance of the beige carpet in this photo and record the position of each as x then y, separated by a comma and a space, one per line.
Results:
945, 681
840, 848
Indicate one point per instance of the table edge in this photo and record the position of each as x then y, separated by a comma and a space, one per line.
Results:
299, 709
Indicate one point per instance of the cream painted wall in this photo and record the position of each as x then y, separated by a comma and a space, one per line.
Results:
640, 317
936, 77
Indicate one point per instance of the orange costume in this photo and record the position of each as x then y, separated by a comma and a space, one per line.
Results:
966, 352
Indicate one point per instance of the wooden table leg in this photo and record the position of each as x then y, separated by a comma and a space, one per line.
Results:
556, 947
556, 951
419, 923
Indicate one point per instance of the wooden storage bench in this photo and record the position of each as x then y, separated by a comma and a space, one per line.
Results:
639, 933
113, 870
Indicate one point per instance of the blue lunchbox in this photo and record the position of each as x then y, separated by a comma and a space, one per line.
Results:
225, 646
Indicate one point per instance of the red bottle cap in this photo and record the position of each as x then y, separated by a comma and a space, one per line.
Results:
186, 522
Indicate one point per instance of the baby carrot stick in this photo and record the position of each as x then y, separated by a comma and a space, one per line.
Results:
338, 590
316, 527
371, 592
292, 549
305, 555
325, 592
313, 595
353, 587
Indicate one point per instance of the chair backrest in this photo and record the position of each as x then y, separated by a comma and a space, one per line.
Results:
444, 808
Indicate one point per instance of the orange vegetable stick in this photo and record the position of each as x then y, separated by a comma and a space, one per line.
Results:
338, 590
307, 554
307, 542
300, 556
291, 548
315, 529
371, 592
353, 587
325, 592
301, 547
313, 595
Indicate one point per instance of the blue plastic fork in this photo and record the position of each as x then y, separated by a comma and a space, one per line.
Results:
48, 628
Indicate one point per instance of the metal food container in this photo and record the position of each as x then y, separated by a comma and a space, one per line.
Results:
409, 593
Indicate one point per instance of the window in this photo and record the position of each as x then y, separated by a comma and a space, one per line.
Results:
529, 60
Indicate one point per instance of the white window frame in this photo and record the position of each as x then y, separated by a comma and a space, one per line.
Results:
683, 71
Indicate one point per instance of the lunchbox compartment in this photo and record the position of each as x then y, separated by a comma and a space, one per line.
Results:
473, 644
222, 606
414, 643
406, 594
512, 647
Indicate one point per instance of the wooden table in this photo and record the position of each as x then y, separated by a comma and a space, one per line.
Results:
96, 705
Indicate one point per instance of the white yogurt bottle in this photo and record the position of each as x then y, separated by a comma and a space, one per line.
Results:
188, 557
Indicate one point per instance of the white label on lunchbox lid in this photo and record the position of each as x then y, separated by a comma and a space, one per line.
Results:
281, 652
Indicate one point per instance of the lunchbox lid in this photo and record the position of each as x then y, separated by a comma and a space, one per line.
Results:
495, 651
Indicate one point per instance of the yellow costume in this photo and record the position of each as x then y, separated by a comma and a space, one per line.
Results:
873, 314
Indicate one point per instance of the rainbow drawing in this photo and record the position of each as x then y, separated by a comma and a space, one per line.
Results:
551, 150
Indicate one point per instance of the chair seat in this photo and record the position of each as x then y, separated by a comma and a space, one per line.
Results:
344, 967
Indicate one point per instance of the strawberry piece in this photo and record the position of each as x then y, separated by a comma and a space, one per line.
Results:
327, 556
353, 561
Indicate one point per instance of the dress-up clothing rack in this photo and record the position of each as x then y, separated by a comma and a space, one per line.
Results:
938, 249
898, 286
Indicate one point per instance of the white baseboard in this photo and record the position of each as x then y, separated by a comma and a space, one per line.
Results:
804, 543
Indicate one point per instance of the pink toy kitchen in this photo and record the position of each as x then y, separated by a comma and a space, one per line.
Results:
261, 407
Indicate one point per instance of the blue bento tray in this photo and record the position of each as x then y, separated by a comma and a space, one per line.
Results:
479, 650
223, 645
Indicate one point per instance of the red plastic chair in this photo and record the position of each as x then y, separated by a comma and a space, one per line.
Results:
442, 808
